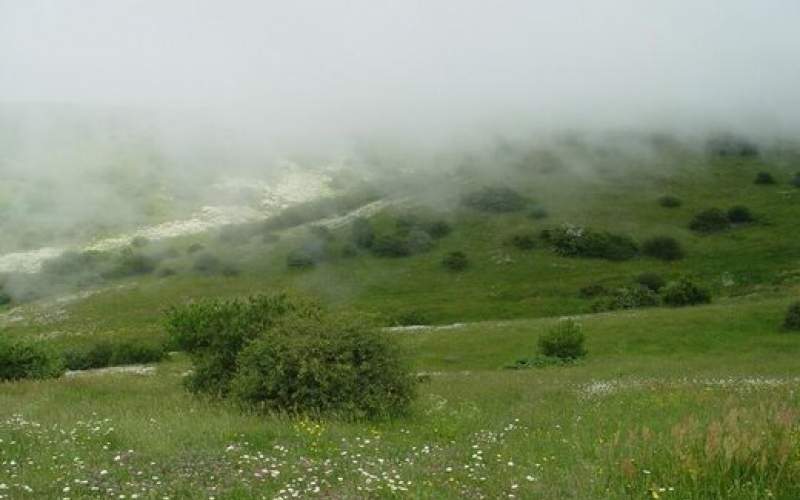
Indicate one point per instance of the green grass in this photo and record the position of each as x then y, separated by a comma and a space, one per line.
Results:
698, 402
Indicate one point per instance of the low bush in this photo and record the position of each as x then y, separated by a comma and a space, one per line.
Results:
764, 178
792, 319
495, 199
418, 241
455, 261
391, 245
727, 145
740, 215
103, 354
663, 247
537, 213
523, 241
207, 263
632, 297
129, 263
194, 248
23, 359
230, 270
669, 201
318, 209
411, 318
539, 362
592, 290
165, 272
73, 263
653, 281
438, 229
300, 259
214, 332
5, 298
565, 340
89, 357
684, 292
136, 352
796, 180
576, 241
362, 233
710, 221
324, 366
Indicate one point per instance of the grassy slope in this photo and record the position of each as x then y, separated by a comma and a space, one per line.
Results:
569, 441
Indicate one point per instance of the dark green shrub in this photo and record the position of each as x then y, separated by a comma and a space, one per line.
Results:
495, 199
796, 180
523, 241
207, 263
592, 290
22, 359
575, 241
537, 213
348, 251
709, 221
136, 353
438, 229
455, 261
322, 233
165, 272
73, 263
663, 247
129, 263
727, 145
792, 319
669, 201
653, 281
632, 297
230, 270
363, 235
5, 298
89, 357
411, 318
764, 178
539, 362
324, 366
391, 245
214, 332
564, 340
300, 259
684, 292
740, 215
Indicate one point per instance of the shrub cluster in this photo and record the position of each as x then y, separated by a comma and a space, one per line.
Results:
740, 215
103, 354
495, 199
714, 220
276, 354
684, 292
669, 201
727, 145
523, 241
792, 319
663, 247
455, 261
318, 209
653, 281
764, 178
412, 235
576, 241
22, 359
796, 180
565, 340
632, 297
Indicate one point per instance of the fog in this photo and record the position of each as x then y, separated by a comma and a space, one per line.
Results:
109, 111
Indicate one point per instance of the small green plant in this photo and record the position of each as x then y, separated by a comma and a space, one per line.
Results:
455, 261
22, 359
565, 340
324, 366
740, 215
764, 178
669, 201
792, 319
652, 281
710, 221
663, 247
684, 292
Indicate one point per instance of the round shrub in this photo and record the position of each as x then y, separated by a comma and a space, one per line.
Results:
392, 245
684, 292
740, 215
663, 247
21, 359
669, 201
455, 261
764, 178
796, 180
709, 221
653, 281
523, 241
328, 366
792, 320
565, 340
438, 229
495, 199
576, 241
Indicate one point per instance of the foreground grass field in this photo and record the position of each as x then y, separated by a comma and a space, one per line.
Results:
691, 403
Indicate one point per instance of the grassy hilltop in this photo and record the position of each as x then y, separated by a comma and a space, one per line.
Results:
670, 402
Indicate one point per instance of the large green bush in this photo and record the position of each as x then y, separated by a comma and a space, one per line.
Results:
709, 221
792, 319
315, 365
684, 292
495, 199
215, 332
663, 247
576, 241
21, 359
565, 340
